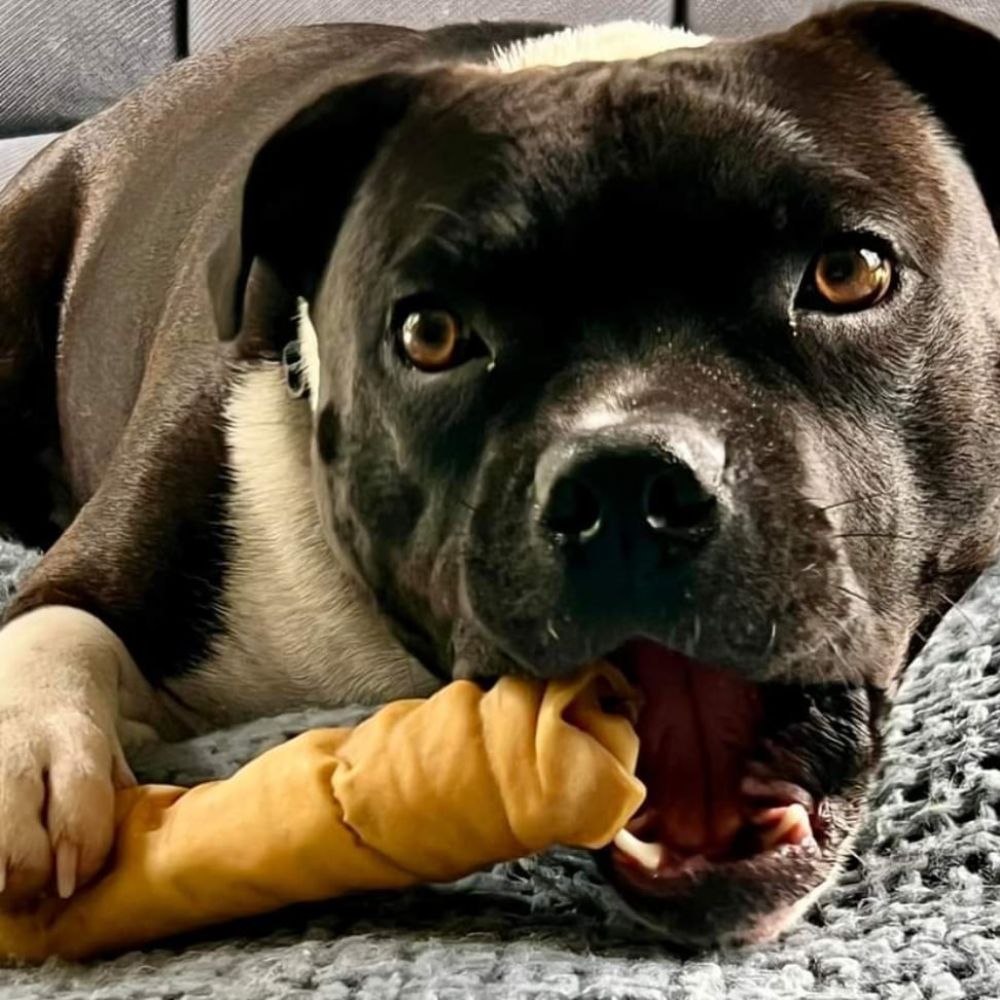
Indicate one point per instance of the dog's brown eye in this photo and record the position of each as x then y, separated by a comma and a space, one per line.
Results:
852, 277
432, 339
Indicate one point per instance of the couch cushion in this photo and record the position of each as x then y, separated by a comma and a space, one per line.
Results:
215, 22
750, 17
63, 61
15, 153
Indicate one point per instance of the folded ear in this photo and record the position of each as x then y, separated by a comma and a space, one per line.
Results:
296, 194
304, 178
952, 64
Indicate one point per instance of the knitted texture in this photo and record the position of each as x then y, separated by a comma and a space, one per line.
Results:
915, 917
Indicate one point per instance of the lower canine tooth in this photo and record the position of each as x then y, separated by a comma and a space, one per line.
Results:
792, 826
650, 856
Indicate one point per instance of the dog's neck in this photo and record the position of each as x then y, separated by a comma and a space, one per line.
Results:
298, 629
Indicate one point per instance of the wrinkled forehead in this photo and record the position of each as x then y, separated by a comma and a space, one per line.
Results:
692, 144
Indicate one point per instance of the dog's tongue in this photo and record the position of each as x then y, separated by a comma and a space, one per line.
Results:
697, 728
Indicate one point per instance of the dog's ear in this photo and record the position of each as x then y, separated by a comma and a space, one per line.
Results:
299, 187
304, 177
952, 64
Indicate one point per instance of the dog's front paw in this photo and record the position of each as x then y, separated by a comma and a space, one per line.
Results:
58, 772
60, 756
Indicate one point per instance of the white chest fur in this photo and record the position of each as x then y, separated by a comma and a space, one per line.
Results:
296, 628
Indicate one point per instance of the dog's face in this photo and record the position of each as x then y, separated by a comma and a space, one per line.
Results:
691, 363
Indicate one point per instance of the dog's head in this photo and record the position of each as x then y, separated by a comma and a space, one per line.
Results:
687, 361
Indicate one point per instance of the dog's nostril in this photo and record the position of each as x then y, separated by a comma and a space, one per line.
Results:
676, 501
573, 510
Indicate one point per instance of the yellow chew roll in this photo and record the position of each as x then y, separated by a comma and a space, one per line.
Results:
423, 791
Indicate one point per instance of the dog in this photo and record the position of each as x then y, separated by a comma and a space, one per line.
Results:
352, 360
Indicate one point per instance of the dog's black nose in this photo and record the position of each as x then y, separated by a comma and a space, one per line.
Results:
628, 488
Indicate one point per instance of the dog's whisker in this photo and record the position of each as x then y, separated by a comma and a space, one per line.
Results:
772, 639
447, 245
875, 534
861, 597
976, 629
846, 673
433, 206
862, 498
690, 644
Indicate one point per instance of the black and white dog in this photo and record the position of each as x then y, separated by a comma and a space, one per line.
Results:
615, 341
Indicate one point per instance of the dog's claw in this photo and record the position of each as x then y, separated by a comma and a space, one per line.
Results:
67, 863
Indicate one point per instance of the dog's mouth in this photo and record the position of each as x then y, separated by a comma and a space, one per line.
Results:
751, 790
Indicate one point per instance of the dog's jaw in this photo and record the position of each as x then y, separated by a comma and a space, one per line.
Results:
610, 42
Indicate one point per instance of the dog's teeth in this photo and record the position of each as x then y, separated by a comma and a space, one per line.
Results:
777, 788
783, 825
650, 856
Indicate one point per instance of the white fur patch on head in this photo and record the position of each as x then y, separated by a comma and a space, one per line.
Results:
595, 43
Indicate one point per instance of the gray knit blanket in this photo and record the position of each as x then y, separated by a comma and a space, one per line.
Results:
915, 917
